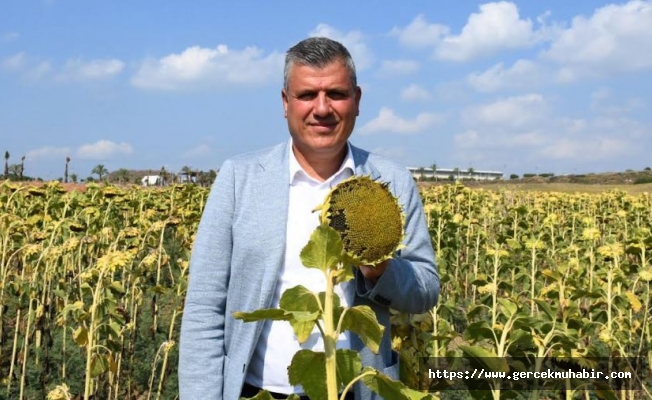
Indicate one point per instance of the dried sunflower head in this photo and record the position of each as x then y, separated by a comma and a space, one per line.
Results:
368, 218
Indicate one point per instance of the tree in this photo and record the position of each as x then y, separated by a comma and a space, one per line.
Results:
422, 172
22, 167
456, 172
187, 171
122, 175
73, 176
165, 175
65, 175
470, 171
14, 172
513, 176
100, 171
6, 165
434, 170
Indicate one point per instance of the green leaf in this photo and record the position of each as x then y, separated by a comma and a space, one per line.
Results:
273, 314
344, 274
116, 287
299, 298
115, 328
99, 365
324, 250
76, 306
508, 306
362, 321
543, 305
349, 366
478, 330
387, 388
486, 358
308, 369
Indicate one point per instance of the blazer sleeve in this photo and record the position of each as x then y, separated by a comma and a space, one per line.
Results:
411, 281
201, 347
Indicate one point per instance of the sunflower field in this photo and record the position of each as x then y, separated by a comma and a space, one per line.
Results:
92, 285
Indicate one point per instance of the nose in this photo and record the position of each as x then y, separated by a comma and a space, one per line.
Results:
322, 107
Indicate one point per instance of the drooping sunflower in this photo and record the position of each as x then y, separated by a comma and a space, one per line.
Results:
368, 218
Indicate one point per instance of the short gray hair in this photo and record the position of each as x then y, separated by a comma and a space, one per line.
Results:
318, 52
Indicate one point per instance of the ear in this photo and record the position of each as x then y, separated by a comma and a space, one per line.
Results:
284, 97
358, 96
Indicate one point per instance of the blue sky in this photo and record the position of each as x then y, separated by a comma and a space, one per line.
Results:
555, 86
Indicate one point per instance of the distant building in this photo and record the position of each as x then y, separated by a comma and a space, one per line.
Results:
446, 173
153, 180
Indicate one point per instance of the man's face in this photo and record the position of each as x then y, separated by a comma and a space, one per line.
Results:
321, 106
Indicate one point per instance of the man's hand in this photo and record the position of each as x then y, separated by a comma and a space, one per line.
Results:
372, 273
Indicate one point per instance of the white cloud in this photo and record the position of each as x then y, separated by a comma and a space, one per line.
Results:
399, 67
47, 152
467, 140
354, 41
588, 148
197, 151
103, 150
198, 67
10, 36
524, 73
414, 93
419, 33
40, 71
616, 38
526, 131
387, 121
472, 139
496, 27
14, 62
517, 111
90, 70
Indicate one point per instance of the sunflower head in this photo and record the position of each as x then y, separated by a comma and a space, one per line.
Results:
367, 217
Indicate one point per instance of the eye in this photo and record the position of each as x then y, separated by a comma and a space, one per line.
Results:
305, 96
338, 95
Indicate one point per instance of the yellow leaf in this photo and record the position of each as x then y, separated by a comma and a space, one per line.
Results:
81, 336
634, 301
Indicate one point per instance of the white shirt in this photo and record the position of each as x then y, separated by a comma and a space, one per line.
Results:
278, 343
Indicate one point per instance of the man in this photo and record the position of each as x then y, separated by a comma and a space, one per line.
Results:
259, 216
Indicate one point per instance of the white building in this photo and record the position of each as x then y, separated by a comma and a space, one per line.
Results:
153, 180
446, 173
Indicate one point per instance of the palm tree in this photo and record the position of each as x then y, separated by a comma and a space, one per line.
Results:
100, 171
187, 171
65, 175
6, 165
22, 167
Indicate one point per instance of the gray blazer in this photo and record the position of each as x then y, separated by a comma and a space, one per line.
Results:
235, 263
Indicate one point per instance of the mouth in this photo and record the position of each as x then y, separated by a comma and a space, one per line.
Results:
325, 125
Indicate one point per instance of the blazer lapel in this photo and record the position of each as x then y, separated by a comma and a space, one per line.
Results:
272, 190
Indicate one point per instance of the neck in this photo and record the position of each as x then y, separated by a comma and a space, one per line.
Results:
320, 166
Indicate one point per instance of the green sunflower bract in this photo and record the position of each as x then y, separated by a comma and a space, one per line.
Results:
368, 218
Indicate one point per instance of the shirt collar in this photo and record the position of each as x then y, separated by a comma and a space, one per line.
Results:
296, 171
